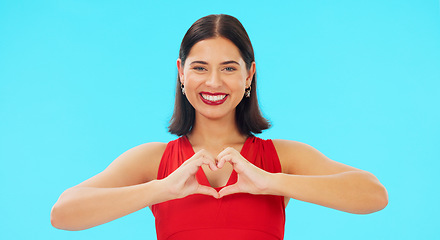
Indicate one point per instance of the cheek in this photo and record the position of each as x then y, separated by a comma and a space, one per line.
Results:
192, 80
237, 83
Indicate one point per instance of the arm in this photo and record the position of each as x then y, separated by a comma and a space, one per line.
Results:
127, 185
82, 207
310, 176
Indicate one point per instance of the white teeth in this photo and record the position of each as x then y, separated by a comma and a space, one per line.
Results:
213, 98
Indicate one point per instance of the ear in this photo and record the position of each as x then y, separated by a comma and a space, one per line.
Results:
250, 75
180, 70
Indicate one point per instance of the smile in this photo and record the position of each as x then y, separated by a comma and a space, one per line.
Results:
213, 99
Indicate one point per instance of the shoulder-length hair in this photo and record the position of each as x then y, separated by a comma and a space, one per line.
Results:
247, 113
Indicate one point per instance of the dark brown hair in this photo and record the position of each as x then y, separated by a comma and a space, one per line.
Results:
247, 113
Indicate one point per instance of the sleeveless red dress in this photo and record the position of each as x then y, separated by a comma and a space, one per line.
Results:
236, 216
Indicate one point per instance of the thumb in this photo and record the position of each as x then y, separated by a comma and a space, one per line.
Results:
207, 191
231, 189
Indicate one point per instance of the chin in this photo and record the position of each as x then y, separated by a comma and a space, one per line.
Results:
215, 114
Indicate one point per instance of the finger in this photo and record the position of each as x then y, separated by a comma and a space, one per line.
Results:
204, 157
231, 189
202, 153
207, 191
223, 159
206, 153
231, 158
226, 151
193, 166
208, 161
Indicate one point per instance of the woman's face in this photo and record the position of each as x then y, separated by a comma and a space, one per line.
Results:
215, 77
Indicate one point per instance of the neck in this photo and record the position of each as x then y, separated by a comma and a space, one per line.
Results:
215, 132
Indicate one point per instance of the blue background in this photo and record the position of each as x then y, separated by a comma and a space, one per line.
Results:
83, 81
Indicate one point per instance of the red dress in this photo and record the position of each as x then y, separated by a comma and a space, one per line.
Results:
236, 216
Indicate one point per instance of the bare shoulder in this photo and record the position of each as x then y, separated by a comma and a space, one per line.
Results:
137, 165
300, 158
290, 152
147, 156
145, 153
292, 149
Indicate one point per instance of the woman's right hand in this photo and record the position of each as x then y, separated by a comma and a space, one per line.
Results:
182, 182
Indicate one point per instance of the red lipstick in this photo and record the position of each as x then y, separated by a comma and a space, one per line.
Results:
213, 98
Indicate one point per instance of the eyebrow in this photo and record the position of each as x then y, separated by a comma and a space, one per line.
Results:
229, 62
222, 63
200, 62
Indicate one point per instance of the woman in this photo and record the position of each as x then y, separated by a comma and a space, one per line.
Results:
217, 180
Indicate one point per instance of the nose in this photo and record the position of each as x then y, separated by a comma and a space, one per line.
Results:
214, 80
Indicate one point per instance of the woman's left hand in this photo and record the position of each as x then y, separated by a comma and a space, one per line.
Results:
251, 179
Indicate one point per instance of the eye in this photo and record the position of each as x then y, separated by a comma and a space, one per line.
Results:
198, 68
230, 69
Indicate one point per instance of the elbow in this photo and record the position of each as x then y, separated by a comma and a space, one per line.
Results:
381, 198
376, 200
58, 215
376, 204
55, 218
59, 221
61, 215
